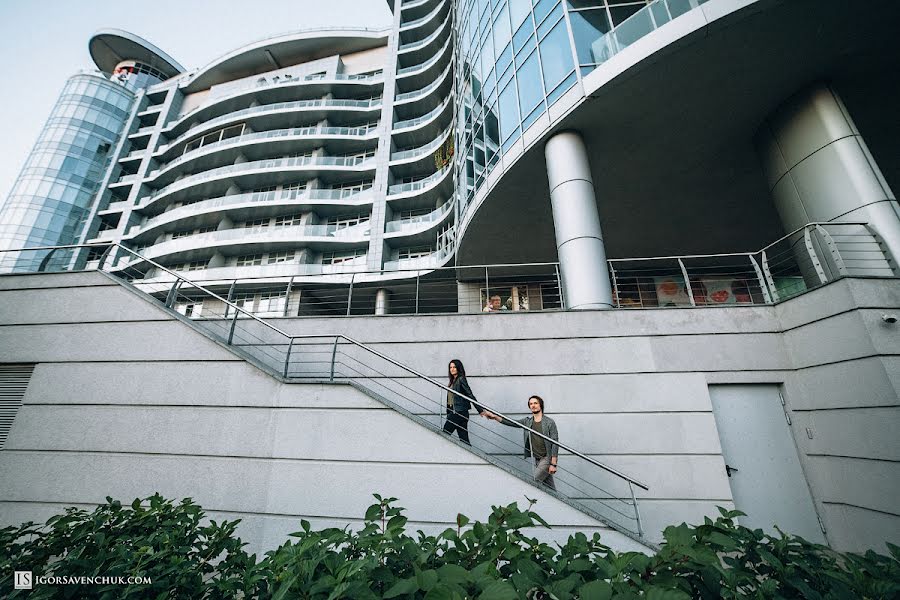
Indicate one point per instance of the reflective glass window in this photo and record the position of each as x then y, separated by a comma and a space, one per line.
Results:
509, 111
556, 56
531, 91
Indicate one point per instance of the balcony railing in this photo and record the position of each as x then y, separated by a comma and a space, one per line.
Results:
424, 91
409, 123
421, 151
411, 46
428, 63
272, 163
412, 186
225, 202
263, 108
267, 135
638, 25
414, 223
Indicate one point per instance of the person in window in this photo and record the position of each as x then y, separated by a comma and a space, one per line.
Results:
544, 451
494, 305
458, 403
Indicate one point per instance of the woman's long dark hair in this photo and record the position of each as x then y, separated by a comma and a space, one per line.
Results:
460, 369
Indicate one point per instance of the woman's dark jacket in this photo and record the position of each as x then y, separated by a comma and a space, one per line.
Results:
460, 404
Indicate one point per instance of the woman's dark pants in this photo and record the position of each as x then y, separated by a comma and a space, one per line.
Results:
458, 422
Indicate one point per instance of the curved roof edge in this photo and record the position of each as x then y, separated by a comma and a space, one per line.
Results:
109, 47
268, 53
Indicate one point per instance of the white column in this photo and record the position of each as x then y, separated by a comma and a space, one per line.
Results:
819, 168
382, 302
579, 239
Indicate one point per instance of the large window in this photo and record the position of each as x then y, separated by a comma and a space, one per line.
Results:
218, 135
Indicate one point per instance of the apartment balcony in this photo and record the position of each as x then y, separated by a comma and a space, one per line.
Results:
416, 52
342, 140
416, 76
416, 9
240, 207
257, 240
420, 229
418, 160
409, 104
421, 28
427, 189
266, 172
279, 115
267, 92
432, 261
420, 130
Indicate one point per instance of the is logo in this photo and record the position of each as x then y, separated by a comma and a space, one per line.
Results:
23, 580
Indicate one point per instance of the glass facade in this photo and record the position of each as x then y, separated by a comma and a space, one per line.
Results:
514, 61
52, 197
515, 58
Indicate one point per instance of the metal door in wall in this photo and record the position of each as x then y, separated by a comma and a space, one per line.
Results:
764, 470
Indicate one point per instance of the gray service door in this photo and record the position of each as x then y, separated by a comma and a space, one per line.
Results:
766, 479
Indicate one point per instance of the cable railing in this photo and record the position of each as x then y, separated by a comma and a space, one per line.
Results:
233, 318
800, 261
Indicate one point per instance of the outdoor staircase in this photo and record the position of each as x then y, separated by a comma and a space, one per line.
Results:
593, 489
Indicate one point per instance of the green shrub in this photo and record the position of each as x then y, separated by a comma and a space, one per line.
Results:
492, 560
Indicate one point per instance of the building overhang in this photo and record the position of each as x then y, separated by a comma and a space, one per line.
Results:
109, 47
669, 125
283, 51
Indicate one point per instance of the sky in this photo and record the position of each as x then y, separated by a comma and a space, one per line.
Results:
44, 42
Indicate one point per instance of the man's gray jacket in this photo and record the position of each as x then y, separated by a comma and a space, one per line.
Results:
548, 428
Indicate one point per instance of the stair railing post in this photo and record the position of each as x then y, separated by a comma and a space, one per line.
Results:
233, 325
287, 358
350, 294
333, 356
487, 289
173, 292
637, 511
417, 292
687, 283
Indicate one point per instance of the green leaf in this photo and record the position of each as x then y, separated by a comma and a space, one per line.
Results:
402, 587
453, 574
461, 520
720, 539
499, 590
426, 579
595, 590
439, 592
658, 593
373, 513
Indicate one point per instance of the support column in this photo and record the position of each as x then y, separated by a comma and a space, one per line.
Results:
579, 240
382, 301
819, 168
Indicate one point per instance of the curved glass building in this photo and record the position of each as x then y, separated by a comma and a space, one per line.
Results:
476, 132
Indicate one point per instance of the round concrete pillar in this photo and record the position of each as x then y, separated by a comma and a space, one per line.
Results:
382, 301
579, 240
819, 168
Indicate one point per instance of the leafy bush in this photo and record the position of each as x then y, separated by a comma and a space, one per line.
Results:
494, 560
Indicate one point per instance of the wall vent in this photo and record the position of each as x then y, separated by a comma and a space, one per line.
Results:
13, 383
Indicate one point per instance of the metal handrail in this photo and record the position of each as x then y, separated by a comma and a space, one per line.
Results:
292, 338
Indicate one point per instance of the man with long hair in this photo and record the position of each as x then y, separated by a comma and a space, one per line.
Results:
543, 450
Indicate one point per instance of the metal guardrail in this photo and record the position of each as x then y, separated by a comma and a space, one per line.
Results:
232, 310
584, 481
